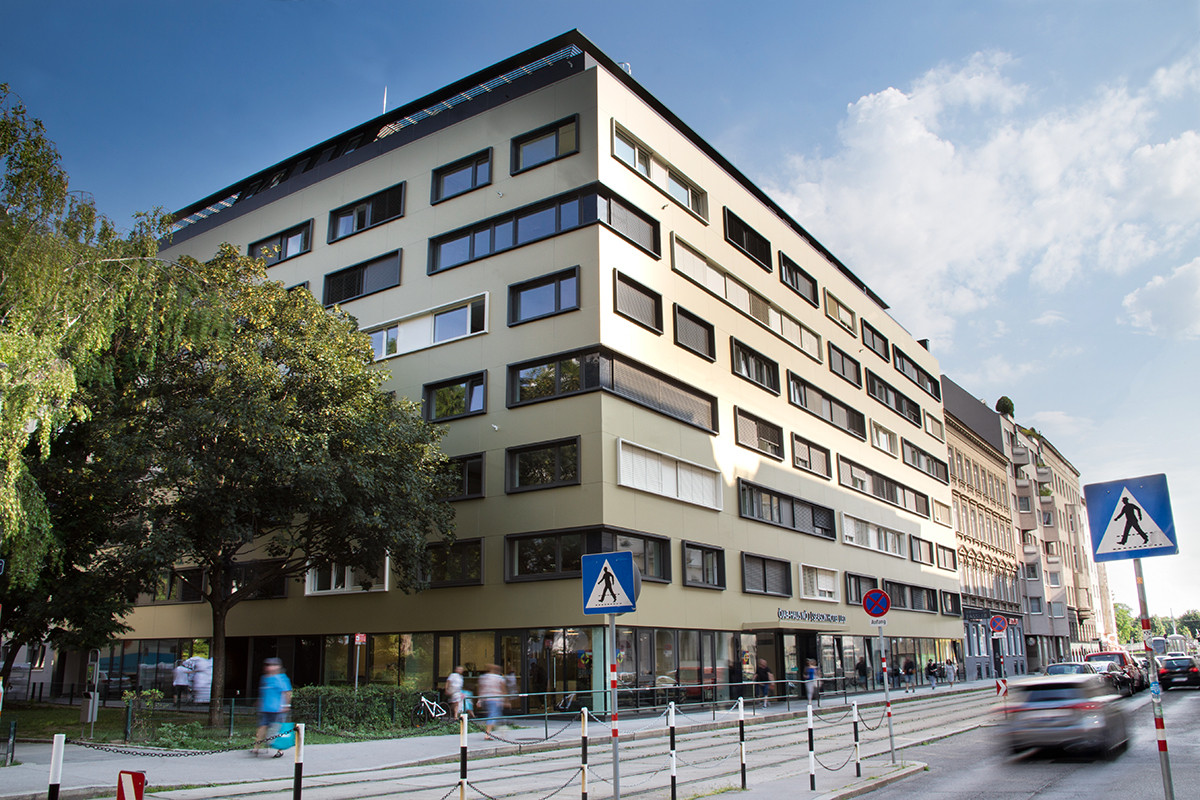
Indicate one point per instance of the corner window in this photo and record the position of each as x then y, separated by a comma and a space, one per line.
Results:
795, 278
755, 433
363, 279
651, 554
545, 144
283, 245
762, 575
655, 169
693, 333
635, 302
462, 176
752, 243
545, 555
459, 397
543, 466
468, 477
456, 564
367, 213
544, 296
703, 566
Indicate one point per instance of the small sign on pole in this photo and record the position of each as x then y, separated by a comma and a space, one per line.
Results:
130, 785
1001, 687
360, 638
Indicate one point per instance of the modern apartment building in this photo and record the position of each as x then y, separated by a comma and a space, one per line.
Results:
989, 566
632, 347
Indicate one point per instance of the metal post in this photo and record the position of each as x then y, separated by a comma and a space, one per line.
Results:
1160, 728
129, 719
612, 683
232, 712
56, 758
462, 757
583, 742
671, 726
887, 695
812, 756
12, 743
742, 737
356, 655
298, 777
857, 748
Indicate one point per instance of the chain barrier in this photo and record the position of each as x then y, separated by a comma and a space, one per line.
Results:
817, 715
533, 741
130, 750
849, 756
569, 781
647, 726
447, 794
875, 727
683, 762
624, 781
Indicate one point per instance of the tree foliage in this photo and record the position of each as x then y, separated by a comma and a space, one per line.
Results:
1128, 626
1189, 623
1005, 406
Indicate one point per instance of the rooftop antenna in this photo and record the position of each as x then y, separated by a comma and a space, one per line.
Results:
625, 65
385, 98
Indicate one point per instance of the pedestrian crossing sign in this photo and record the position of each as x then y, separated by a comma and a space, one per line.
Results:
611, 583
1131, 518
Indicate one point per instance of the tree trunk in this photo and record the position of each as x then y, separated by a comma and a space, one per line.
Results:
219, 612
10, 658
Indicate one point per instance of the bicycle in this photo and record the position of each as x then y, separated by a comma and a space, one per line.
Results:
426, 710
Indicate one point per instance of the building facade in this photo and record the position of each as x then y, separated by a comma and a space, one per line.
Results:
631, 347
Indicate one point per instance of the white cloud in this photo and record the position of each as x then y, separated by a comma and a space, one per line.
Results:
1060, 425
998, 371
1049, 317
1168, 306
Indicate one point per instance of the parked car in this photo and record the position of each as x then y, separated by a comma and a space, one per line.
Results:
1178, 671
1136, 676
1075, 713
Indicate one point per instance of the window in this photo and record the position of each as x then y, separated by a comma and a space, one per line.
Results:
917, 375
635, 302
1031, 571
861, 533
947, 558
1047, 518
754, 366
367, 212
920, 550
857, 586
884, 439
922, 599
363, 279
749, 241
458, 397
468, 474
899, 593
175, 586
875, 340
844, 366
796, 279
651, 554
545, 144
544, 296
941, 513
590, 370
1023, 503
762, 575
456, 564
703, 566
544, 555
756, 433
713, 278
656, 170
951, 604
841, 313
462, 176
817, 583
272, 584
868, 481
1054, 579
805, 395
631, 153
776, 508
1058, 609
926, 462
885, 393
334, 578
543, 465
457, 322
693, 333
658, 473
934, 427
810, 456
1035, 605
283, 245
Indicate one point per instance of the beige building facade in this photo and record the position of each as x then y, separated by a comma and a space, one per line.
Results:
631, 347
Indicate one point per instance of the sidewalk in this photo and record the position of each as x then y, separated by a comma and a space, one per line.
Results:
89, 773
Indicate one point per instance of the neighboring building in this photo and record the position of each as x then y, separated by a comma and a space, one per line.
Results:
632, 347
988, 562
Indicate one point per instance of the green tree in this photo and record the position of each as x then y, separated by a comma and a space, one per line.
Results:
1005, 406
1128, 626
275, 449
1189, 623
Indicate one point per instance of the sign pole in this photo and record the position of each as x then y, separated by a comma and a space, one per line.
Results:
1160, 729
887, 696
612, 684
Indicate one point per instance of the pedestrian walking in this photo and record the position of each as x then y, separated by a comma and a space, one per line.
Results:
274, 701
454, 691
860, 669
810, 679
181, 681
762, 682
491, 694
931, 672
951, 671
910, 676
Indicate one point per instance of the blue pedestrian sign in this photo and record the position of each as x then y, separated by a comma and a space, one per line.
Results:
1131, 518
876, 602
611, 583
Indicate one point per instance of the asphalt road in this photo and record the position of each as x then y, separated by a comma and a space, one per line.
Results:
975, 765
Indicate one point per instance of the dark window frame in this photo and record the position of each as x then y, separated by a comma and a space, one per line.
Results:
885, 487
916, 543
277, 240
436, 583
843, 358
852, 413
910, 369
787, 571
894, 399
746, 240
744, 486
656, 326
556, 279
556, 127
331, 234
513, 454
855, 588
361, 268
951, 604
679, 311
872, 338
473, 161
760, 424
953, 559
759, 361
788, 266
940, 469
610, 535
719, 559
464, 478
429, 390
589, 542
811, 445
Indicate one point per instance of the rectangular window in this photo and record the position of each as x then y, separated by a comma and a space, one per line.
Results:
635, 302
776, 508
844, 366
868, 481
703, 566
805, 395
951, 604
934, 427
1054, 579
885, 393
917, 375
637, 157
363, 279
756, 433
795, 278
462, 176
857, 586
1030, 570
542, 466
654, 168
749, 241
544, 555
544, 145
544, 296
817, 583
468, 476
659, 473
175, 586
367, 212
923, 599
754, 366
876, 341
762, 575
456, 564
947, 558
283, 245
335, 578
713, 278
899, 592
862, 533
457, 397
941, 514
1035, 605
919, 459
561, 376
651, 554
1023, 503
1047, 518
693, 333
920, 550
810, 456
884, 439
454, 323
841, 313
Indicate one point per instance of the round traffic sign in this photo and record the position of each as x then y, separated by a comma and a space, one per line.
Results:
998, 624
876, 602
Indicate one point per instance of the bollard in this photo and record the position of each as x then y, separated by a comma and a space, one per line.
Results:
128, 720
742, 737
232, 712
298, 778
56, 758
12, 743
812, 757
392, 709
583, 739
462, 757
671, 725
857, 751
318, 712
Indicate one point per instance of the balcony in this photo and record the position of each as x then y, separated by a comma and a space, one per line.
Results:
1022, 484
1020, 455
1046, 499
1045, 475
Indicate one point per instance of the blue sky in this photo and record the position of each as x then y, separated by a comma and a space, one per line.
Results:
1019, 180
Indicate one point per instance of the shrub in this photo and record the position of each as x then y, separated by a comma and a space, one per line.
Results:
341, 708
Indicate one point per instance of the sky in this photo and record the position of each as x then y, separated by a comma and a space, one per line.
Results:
1019, 180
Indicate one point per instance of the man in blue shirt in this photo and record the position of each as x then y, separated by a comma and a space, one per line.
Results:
274, 700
